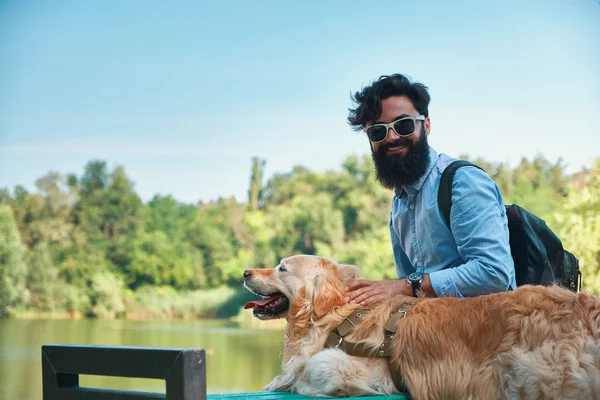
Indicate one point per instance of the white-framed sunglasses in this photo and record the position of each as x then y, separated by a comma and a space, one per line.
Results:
404, 126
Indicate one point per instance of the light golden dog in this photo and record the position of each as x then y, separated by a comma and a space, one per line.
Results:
531, 343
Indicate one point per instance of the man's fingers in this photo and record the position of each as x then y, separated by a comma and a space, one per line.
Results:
367, 297
352, 296
357, 288
359, 299
357, 284
366, 292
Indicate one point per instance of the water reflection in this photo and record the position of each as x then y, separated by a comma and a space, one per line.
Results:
239, 359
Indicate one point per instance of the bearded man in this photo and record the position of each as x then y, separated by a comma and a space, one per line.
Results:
471, 257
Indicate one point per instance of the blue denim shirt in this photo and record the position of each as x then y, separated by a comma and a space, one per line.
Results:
472, 259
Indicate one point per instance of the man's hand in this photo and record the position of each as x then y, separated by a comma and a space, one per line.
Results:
368, 292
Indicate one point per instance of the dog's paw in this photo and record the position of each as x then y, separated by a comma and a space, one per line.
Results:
281, 383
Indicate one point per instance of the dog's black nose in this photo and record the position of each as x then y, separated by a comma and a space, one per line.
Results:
247, 273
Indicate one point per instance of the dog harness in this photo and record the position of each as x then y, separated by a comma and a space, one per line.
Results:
337, 341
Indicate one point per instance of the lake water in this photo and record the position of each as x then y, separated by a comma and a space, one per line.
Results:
239, 359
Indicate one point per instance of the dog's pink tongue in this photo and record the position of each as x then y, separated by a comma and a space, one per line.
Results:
261, 303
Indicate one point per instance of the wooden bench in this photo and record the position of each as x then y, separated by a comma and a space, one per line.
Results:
184, 372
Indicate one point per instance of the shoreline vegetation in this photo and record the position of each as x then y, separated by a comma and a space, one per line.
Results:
87, 246
219, 303
223, 309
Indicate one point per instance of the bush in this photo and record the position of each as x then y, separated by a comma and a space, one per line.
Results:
77, 301
165, 302
107, 296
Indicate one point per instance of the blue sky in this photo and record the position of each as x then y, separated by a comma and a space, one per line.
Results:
184, 93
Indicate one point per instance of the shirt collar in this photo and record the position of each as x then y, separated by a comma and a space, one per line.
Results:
416, 187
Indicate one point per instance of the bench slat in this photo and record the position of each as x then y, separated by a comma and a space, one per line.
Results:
105, 394
289, 396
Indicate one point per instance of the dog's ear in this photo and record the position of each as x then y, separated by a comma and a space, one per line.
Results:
348, 272
328, 293
326, 289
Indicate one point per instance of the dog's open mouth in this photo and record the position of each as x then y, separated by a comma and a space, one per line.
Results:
273, 306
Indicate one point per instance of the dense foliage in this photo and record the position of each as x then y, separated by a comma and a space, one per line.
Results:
89, 245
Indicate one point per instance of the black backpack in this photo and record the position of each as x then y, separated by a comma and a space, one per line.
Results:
537, 252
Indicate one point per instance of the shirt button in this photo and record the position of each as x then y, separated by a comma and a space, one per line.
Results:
412, 206
414, 235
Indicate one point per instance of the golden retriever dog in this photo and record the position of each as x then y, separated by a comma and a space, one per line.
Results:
532, 343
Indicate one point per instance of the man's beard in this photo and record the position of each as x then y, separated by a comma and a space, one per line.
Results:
397, 170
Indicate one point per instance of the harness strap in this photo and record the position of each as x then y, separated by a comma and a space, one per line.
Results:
351, 321
336, 340
392, 323
360, 349
396, 377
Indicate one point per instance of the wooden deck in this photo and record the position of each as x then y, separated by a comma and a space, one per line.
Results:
183, 370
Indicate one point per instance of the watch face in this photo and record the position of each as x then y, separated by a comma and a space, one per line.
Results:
415, 277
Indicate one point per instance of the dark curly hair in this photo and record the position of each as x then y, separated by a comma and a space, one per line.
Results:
368, 100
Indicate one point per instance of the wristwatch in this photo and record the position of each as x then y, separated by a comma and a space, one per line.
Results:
414, 280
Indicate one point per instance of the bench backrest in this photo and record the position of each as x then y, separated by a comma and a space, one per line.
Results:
184, 371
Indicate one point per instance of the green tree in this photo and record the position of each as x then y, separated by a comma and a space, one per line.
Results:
309, 226
579, 220
88, 212
95, 178
107, 214
284, 188
372, 252
5, 196
263, 255
46, 291
365, 204
215, 246
12, 266
122, 222
161, 262
256, 186
164, 214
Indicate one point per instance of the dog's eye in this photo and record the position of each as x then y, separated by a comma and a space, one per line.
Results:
282, 268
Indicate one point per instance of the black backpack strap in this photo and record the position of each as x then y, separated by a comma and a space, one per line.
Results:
445, 189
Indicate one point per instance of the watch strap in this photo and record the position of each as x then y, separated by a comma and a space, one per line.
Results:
416, 286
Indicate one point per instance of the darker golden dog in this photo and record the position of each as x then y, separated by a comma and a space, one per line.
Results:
532, 343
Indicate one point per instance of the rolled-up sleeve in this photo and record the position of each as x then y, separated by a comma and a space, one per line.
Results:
480, 228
